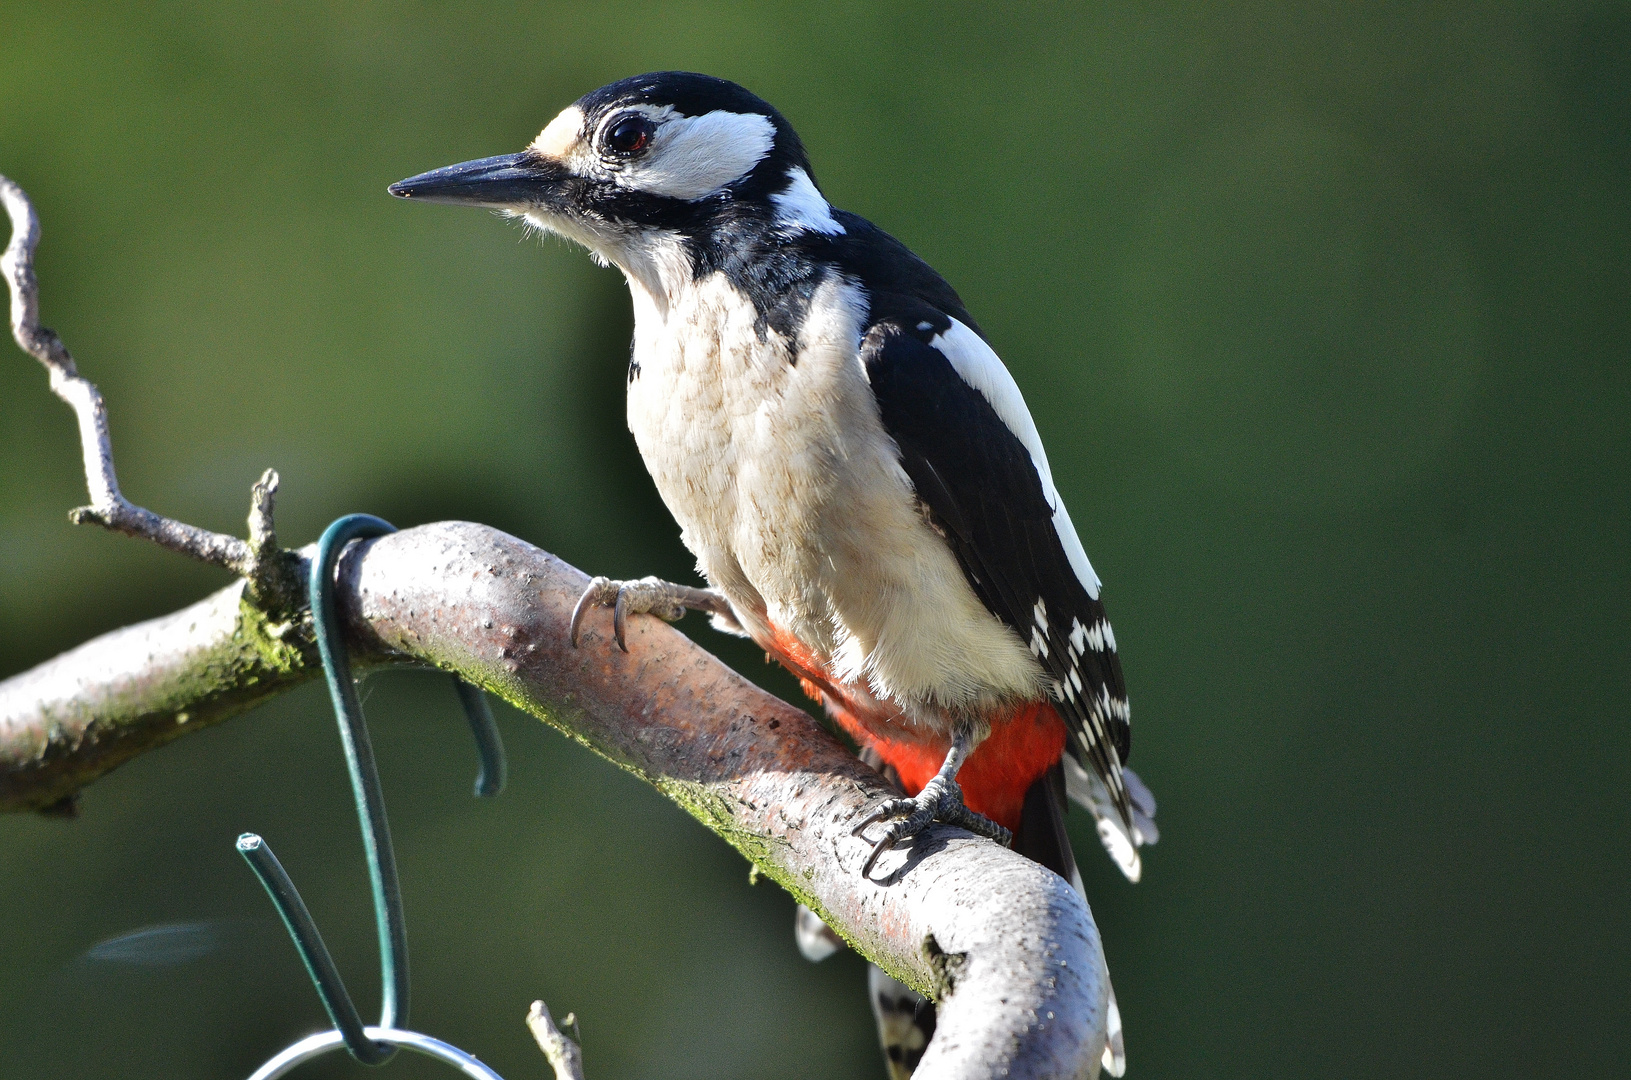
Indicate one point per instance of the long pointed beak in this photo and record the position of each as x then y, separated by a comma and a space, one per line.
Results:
499, 182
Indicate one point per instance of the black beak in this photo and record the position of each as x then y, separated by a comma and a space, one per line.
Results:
500, 182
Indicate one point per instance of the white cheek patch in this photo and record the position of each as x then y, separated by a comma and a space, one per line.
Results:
558, 139
695, 156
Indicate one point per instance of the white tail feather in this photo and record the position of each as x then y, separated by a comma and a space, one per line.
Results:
1114, 1060
1088, 791
816, 941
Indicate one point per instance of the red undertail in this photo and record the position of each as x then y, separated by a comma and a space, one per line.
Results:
1023, 744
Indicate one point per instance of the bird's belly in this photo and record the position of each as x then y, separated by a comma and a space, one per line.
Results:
789, 492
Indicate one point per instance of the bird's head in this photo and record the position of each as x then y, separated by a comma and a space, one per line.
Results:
647, 164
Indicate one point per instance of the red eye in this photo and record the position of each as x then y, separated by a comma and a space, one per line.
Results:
629, 135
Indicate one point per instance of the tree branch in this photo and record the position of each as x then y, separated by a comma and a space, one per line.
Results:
1006, 947
73, 718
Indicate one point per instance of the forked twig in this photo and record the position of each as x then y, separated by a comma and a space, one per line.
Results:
257, 559
564, 1055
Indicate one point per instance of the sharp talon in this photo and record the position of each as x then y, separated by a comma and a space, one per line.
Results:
648, 596
593, 594
872, 819
886, 844
577, 613
620, 618
940, 800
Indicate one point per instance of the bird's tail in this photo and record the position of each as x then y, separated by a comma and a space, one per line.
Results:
905, 1021
1120, 839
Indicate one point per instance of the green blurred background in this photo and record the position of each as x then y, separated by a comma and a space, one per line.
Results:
1324, 311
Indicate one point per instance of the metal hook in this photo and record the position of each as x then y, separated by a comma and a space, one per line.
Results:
375, 1045
309, 943
359, 759
490, 775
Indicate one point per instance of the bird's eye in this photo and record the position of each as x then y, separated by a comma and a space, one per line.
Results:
629, 135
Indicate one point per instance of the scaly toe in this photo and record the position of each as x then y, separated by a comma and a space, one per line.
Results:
938, 801
883, 812
647, 596
978, 824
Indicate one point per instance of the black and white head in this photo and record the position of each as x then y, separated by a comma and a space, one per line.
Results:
635, 166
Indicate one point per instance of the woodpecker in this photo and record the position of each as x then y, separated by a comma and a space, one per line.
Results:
852, 465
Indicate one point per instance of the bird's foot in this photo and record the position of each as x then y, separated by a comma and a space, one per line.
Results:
647, 596
940, 800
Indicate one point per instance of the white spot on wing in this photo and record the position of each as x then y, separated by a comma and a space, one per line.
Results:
800, 206
982, 369
1100, 638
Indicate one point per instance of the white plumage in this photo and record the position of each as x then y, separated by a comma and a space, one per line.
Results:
789, 492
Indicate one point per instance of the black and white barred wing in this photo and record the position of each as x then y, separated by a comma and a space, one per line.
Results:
971, 449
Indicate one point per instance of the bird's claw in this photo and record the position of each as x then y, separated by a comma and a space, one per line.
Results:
647, 596
940, 800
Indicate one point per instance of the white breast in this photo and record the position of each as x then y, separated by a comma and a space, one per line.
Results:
790, 493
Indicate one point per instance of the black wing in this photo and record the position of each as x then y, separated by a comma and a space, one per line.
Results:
986, 494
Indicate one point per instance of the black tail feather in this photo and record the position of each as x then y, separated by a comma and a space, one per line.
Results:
1041, 836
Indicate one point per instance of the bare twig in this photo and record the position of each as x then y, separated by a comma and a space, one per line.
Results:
258, 559
564, 1055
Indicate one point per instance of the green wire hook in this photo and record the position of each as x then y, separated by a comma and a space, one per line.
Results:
370, 800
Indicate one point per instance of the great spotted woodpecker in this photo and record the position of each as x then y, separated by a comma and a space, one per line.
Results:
853, 466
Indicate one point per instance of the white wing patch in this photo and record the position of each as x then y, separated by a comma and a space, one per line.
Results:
982, 369
800, 207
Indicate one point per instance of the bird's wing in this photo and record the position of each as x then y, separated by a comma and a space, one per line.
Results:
972, 452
